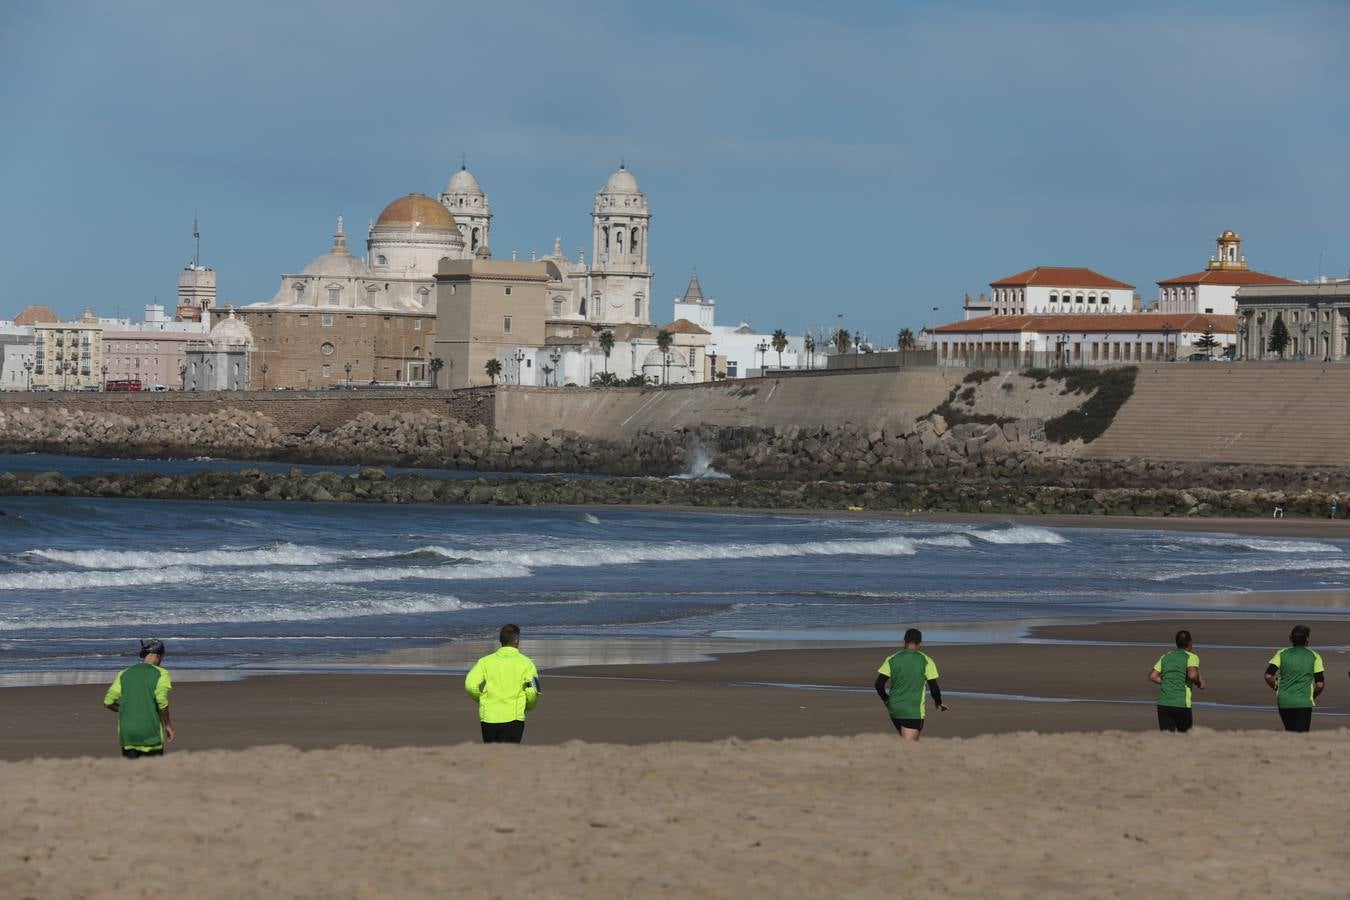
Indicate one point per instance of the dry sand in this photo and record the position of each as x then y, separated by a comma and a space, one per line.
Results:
1105, 815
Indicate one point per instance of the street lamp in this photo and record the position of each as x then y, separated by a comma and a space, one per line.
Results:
1167, 339
519, 357
712, 358
762, 348
1326, 345
1063, 351
1242, 337
1303, 340
182, 376
347, 367
554, 357
28, 368
263, 369
104, 385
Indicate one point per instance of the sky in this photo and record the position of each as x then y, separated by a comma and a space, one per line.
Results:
815, 162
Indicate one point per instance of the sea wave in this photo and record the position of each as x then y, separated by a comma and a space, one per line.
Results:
1018, 534
64, 581
280, 554
1263, 545
627, 554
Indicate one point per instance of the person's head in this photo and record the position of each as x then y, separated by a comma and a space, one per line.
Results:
913, 637
1299, 635
1183, 640
152, 651
510, 636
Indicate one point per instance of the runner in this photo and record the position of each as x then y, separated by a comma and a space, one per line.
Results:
1296, 676
506, 686
908, 672
1175, 672
140, 697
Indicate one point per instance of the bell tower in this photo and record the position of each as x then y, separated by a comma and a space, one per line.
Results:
620, 276
1229, 258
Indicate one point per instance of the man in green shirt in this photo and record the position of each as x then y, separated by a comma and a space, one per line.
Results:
1174, 673
140, 697
909, 672
506, 686
1296, 675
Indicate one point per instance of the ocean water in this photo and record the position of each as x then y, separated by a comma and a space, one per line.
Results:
249, 584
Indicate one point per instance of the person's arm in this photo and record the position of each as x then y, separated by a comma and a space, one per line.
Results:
937, 694
474, 683
162, 688
167, 723
1155, 674
113, 698
1193, 676
880, 685
531, 689
1273, 676
1319, 675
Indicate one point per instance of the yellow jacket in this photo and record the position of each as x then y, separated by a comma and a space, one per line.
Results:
505, 684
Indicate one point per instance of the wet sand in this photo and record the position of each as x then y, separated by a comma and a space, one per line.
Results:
1054, 686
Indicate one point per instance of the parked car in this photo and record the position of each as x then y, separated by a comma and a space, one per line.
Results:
159, 387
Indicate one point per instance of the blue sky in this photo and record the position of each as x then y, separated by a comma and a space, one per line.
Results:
876, 159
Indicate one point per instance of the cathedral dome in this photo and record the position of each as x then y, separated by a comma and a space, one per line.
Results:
338, 262
230, 333
426, 212
463, 182
621, 182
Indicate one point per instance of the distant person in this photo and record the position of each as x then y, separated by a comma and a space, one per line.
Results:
1175, 672
909, 672
140, 697
1333, 507
506, 686
1296, 675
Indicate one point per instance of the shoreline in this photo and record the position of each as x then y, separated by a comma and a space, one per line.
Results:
1074, 677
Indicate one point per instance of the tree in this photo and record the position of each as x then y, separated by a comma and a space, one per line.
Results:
779, 343
1207, 342
493, 367
663, 341
606, 345
905, 339
435, 364
1279, 336
809, 343
547, 370
841, 339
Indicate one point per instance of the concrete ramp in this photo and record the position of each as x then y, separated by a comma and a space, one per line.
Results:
1294, 413
884, 399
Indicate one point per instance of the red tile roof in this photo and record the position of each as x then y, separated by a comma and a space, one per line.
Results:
1125, 322
1061, 277
684, 326
1218, 276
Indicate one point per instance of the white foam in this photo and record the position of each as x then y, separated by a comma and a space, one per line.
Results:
626, 554
276, 555
945, 540
1019, 534
255, 612
1265, 545
64, 581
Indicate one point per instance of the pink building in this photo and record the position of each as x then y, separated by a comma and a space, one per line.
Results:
150, 357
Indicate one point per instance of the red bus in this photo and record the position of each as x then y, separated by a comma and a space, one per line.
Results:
125, 384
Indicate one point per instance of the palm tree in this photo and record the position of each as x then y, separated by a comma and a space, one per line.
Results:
810, 344
905, 339
606, 345
435, 364
841, 340
779, 343
663, 341
493, 367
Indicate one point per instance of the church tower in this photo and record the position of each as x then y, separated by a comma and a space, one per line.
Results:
471, 209
620, 274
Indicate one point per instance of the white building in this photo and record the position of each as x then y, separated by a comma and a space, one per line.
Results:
1215, 289
1053, 290
1047, 340
220, 363
17, 356
739, 351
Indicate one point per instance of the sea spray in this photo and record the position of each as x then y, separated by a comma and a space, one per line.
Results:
700, 464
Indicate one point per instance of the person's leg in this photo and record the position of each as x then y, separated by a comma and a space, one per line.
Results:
1298, 720
909, 728
137, 754
1165, 720
492, 732
1184, 719
513, 732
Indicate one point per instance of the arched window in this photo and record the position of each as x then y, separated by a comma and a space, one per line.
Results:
618, 238
1078, 298
473, 241
381, 260
334, 296
1054, 298
637, 307
634, 236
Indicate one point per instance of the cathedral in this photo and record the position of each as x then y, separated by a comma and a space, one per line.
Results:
344, 319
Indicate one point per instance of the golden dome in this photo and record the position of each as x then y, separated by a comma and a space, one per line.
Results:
419, 208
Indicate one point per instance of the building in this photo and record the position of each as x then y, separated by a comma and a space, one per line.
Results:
17, 356
739, 351
489, 309
153, 352
1089, 339
1214, 291
68, 356
221, 362
196, 285
1316, 316
1053, 290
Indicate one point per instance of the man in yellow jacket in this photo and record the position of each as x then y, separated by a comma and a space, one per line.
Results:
506, 686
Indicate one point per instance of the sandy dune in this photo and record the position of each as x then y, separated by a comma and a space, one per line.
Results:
1101, 815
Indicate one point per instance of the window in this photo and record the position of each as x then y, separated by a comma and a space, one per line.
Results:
557, 308
334, 296
326, 349
381, 260
692, 351
731, 368
637, 307
506, 324
508, 290
327, 321
417, 324
1054, 298
1078, 299
327, 371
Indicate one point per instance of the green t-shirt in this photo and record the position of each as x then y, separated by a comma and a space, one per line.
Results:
1175, 689
1297, 667
909, 672
142, 691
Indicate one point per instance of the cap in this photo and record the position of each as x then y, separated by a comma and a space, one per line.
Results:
152, 646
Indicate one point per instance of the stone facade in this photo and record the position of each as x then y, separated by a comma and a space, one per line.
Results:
68, 356
1316, 316
489, 309
311, 349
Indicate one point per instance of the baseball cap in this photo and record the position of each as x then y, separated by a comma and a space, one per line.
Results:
151, 646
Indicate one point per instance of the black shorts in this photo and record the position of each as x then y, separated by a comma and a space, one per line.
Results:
912, 724
1174, 718
1298, 719
503, 732
137, 754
